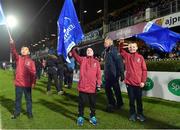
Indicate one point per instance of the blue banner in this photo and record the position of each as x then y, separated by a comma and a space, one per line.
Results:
160, 38
69, 29
2, 18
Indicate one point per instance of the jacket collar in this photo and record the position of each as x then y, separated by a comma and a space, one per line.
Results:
26, 56
89, 57
109, 48
134, 54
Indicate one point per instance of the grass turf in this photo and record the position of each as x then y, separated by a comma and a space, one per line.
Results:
56, 112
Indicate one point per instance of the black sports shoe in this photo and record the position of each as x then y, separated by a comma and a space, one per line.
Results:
133, 117
14, 116
141, 117
30, 116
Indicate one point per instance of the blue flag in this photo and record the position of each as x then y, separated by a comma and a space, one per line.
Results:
69, 30
2, 17
160, 38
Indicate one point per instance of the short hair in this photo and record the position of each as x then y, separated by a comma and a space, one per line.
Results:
25, 47
109, 38
132, 43
90, 48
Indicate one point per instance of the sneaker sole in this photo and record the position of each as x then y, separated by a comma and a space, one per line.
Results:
92, 122
140, 119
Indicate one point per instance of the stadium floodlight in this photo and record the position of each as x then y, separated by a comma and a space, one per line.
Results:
11, 21
85, 11
53, 35
99, 11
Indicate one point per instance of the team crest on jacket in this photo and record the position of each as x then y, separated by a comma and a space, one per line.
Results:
28, 63
138, 60
94, 65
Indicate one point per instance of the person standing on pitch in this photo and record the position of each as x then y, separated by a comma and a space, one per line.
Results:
113, 71
25, 79
136, 75
89, 79
70, 70
52, 67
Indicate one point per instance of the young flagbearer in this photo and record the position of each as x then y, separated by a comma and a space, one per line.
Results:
135, 79
24, 80
90, 77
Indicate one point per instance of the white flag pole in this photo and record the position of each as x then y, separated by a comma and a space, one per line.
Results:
9, 33
10, 37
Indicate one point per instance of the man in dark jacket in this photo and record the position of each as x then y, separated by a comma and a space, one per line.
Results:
39, 67
60, 66
52, 65
70, 70
113, 70
25, 79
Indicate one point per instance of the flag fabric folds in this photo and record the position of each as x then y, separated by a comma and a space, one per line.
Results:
159, 38
2, 17
69, 29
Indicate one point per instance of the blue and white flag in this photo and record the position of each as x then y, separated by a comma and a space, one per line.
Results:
2, 17
69, 29
159, 38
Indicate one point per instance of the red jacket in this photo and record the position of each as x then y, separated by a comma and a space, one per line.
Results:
136, 71
25, 69
90, 73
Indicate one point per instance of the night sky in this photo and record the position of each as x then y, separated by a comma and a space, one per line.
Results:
34, 25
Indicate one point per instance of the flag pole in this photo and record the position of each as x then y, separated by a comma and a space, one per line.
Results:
10, 37
5, 22
9, 33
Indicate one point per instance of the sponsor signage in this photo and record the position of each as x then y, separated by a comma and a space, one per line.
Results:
93, 35
169, 21
127, 32
149, 84
174, 87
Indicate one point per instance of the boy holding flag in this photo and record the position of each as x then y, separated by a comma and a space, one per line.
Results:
90, 77
24, 80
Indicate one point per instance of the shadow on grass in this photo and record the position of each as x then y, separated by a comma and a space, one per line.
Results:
67, 103
44, 82
100, 104
161, 102
41, 86
70, 97
150, 123
153, 123
40, 89
8, 104
59, 109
